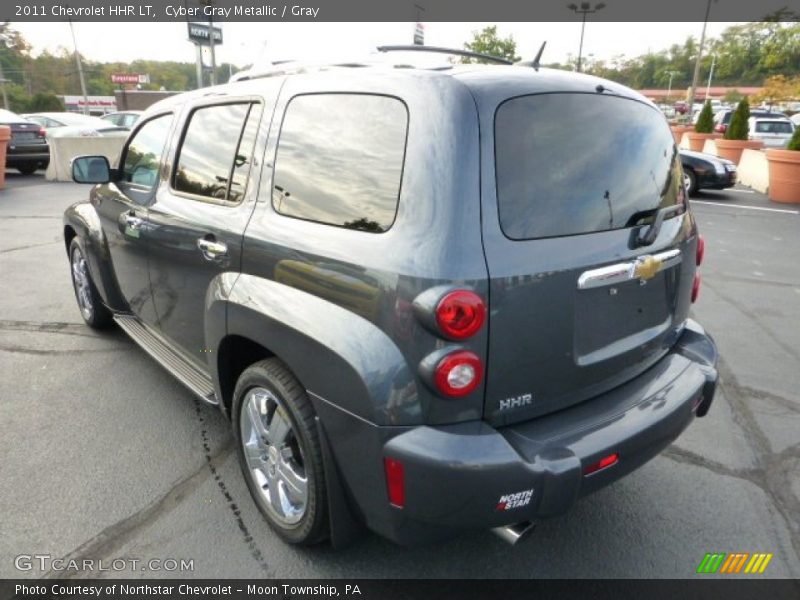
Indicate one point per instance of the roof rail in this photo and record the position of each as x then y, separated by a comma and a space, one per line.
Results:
288, 67
441, 50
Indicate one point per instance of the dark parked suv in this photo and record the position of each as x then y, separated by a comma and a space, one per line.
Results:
428, 299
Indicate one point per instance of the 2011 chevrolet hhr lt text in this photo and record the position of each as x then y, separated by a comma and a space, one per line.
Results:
428, 298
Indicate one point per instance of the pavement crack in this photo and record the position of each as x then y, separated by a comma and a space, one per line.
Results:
49, 327
247, 537
29, 246
50, 352
113, 537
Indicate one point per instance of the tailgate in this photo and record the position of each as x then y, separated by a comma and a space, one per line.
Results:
580, 301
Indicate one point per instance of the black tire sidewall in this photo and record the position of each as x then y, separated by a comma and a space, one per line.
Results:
693, 185
312, 528
101, 316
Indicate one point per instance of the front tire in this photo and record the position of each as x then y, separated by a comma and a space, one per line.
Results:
279, 451
94, 312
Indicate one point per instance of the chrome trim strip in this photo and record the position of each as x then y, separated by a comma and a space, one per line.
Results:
622, 272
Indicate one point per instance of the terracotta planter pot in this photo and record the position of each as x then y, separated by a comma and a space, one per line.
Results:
678, 131
784, 175
732, 149
5, 135
698, 140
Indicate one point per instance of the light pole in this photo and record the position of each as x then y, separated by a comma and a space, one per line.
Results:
669, 87
584, 9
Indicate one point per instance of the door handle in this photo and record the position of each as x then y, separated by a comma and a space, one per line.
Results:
212, 250
133, 221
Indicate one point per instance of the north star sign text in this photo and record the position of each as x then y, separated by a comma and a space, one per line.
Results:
226, 12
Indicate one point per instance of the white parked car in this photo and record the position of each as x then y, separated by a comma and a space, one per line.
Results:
67, 124
795, 119
775, 133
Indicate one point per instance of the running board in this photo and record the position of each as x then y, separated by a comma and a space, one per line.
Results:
185, 372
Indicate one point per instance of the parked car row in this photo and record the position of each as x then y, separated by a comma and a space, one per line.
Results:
28, 148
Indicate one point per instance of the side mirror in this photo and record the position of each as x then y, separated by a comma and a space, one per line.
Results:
91, 169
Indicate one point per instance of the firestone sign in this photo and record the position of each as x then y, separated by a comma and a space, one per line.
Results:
130, 78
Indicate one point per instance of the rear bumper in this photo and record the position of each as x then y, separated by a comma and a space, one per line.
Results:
472, 475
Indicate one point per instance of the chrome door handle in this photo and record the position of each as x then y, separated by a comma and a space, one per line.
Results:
133, 221
212, 250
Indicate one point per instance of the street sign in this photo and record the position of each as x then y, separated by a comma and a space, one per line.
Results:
199, 34
130, 78
419, 34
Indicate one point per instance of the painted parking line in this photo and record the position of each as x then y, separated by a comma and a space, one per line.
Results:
724, 205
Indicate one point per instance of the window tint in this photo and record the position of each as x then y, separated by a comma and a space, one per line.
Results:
773, 127
243, 159
340, 160
143, 155
577, 163
206, 156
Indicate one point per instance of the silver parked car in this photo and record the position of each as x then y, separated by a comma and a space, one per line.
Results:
775, 133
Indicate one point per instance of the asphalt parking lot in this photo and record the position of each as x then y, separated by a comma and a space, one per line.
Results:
104, 455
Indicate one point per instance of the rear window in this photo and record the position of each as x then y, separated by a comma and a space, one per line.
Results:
569, 164
773, 127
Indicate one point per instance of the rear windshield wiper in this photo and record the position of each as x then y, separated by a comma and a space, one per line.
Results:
648, 234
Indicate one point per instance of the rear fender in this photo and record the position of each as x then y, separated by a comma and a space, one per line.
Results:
337, 355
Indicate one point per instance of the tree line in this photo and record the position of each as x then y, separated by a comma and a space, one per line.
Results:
746, 55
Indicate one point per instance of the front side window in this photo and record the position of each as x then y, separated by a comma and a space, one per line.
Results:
143, 154
340, 160
209, 154
569, 164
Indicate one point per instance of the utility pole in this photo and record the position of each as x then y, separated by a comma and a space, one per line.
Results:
80, 69
692, 89
584, 9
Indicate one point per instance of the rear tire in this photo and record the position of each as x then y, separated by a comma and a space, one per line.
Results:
27, 169
279, 451
690, 182
94, 312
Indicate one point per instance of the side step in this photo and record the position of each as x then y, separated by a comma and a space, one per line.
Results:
179, 367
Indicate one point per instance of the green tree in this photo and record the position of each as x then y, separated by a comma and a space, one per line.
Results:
705, 122
794, 143
733, 96
487, 41
739, 129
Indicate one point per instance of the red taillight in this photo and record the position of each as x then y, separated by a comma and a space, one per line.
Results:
458, 373
395, 482
42, 132
701, 250
721, 128
601, 464
695, 287
460, 314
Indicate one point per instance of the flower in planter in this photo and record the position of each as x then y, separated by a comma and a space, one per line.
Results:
705, 122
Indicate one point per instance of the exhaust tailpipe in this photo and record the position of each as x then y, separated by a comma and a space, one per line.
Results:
513, 534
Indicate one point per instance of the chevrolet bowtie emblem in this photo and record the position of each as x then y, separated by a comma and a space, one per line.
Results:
646, 267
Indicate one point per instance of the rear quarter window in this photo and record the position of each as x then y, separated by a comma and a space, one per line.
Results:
569, 164
340, 160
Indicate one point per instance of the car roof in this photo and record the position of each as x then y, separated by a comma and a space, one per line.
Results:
488, 83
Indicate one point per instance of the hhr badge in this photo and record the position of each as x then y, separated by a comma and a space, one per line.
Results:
516, 500
516, 401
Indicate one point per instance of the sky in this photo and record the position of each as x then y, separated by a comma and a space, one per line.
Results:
246, 43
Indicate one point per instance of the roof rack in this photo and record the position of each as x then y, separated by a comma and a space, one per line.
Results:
441, 50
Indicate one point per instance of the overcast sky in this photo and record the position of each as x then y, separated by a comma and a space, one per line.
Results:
245, 43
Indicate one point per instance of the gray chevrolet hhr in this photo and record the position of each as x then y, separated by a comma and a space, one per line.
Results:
428, 298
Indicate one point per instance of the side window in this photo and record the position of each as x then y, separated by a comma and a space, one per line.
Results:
215, 155
143, 154
340, 160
